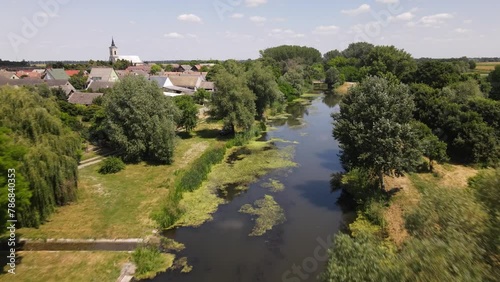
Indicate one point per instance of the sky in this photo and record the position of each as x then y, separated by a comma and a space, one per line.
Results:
38, 30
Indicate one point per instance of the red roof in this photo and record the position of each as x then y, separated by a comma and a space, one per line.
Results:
70, 73
30, 74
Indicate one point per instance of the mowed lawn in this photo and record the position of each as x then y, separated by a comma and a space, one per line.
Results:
120, 205
67, 266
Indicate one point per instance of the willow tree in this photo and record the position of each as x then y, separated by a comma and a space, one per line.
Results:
139, 120
374, 130
50, 161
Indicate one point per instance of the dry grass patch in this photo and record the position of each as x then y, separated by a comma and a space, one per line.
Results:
402, 202
68, 266
344, 88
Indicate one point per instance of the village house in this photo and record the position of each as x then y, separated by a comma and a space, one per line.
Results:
103, 74
64, 85
29, 74
98, 85
8, 74
55, 74
81, 98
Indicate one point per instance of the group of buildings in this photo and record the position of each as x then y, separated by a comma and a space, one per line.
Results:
183, 80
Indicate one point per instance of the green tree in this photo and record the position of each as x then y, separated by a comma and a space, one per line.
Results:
494, 78
118, 65
331, 55
79, 81
388, 59
333, 77
432, 147
436, 74
50, 159
201, 95
155, 69
188, 117
262, 83
358, 50
373, 128
140, 120
233, 102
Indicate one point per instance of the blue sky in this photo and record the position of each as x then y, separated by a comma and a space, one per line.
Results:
223, 29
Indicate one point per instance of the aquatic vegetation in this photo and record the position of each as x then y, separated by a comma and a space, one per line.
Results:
182, 264
268, 212
274, 185
170, 245
256, 160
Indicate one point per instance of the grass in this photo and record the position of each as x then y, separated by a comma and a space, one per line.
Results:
411, 187
149, 262
120, 205
68, 266
252, 161
344, 88
268, 212
485, 67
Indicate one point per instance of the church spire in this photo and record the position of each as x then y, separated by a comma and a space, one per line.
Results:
113, 42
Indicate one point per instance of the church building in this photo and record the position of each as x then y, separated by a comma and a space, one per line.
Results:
114, 56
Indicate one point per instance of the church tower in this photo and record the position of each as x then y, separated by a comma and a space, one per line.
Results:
113, 51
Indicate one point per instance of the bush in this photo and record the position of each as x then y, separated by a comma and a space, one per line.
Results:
149, 261
111, 165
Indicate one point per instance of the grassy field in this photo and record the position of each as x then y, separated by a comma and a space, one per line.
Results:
68, 266
486, 68
407, 198
120, 205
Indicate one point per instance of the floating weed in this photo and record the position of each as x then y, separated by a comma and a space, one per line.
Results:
274, 185
268, 212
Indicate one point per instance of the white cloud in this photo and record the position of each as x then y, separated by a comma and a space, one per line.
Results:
461, 30
255, 3
174, 35
388, 1
132, 22
326, 29
435, 20
467, 21
258, 19
189, 18
408, 16
237, 16
285, 33
360, 10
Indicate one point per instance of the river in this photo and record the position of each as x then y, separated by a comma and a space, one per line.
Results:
221, 250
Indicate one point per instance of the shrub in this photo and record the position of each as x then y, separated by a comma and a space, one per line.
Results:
149, 261
111, 165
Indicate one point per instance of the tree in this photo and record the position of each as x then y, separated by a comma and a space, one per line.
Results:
201, 95
358, 50
188, 117
494, 78
140, 120
48, 150
388, 59
79, 81
155, 69
331, 55
286, 52
431, 146
233, 102
333, 77
262, 83
436, 74
373, 128
119, 64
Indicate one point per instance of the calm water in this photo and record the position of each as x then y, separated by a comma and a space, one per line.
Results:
221, 250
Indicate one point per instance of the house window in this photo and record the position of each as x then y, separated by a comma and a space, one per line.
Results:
114, 52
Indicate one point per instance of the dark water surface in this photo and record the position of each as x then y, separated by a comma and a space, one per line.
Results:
222, 251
